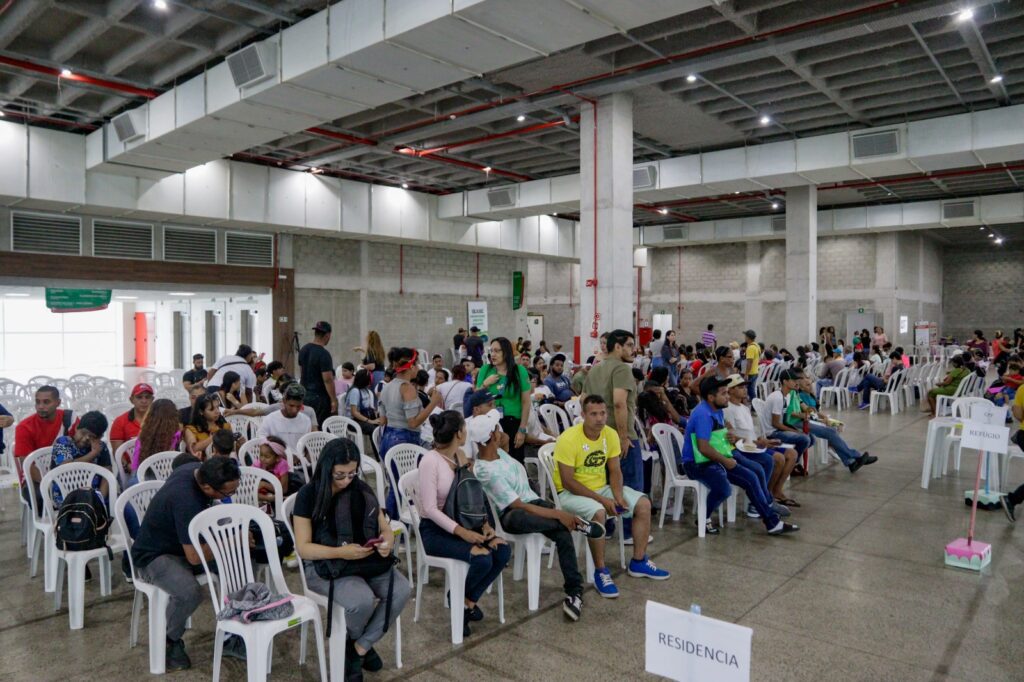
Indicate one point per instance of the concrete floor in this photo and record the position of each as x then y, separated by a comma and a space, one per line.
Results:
860, 593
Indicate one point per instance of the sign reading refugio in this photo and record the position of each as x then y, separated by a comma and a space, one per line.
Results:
77, 300
692, 648
986, 429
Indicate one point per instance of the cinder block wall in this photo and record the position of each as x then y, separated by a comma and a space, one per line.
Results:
982, 288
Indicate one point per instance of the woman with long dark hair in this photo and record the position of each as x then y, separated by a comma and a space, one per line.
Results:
373, 593
670, 355
231, 390
362, 403
486, 553
373, 356
161, 431
509, 383
206, 421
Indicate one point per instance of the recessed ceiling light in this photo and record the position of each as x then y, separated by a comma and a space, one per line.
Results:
965, 14
127, 298
181, 293
452, 117
554, 214
775, 204
736, 192
765, 120
520, 118
17, 294
405, 185
486, 169
999, 240
2, 114
160, 4
66, 73
691, 78
991, 235
663, 211
996, 79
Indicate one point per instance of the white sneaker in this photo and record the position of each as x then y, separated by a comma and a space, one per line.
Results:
629, 541
291, 561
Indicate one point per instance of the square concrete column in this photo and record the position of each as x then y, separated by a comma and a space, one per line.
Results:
606, 218
801, 266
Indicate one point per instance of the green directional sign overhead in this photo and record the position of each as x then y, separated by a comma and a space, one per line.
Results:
517, 290
77, 300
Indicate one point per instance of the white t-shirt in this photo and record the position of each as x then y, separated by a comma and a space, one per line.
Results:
454, 393
776, 403
742, 421
534, 428
288, 430
232, 363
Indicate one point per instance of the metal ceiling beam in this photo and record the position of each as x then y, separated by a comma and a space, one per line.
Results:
983, 58
931, 55
18, 17
262, 8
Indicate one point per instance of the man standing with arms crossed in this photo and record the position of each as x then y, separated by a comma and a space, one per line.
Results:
317, 373
612, 379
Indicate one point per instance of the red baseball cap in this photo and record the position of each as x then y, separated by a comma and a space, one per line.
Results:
142, 388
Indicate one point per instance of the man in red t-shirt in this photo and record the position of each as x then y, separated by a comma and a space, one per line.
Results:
128, 425
39, 431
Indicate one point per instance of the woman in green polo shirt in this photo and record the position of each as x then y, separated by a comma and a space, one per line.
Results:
510, 385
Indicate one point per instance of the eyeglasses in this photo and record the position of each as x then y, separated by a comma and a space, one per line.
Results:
342, 476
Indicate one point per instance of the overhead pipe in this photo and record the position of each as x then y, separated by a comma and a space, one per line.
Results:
104, 83
497, 136
47, 119
350, 175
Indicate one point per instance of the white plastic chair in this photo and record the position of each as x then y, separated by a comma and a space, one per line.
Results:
574, 409
455, 571
344, 427
951, 442
239, 424
225, 529
123, 457
378, 433
839, 390
527, 548
944, 403
336, 642
310, 445
157, 466
893, 394
370, 465
42, 528
554, 419
68, 477
249, 486
670, 441
249, 452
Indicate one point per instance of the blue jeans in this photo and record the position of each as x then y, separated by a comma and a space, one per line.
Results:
801, 441
751, 387
720, 480
632, 465
869, 383
483, 569
820, 384
845, 452
760, 463
389, 439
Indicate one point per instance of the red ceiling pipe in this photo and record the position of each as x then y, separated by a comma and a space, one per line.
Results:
471, 165
497, 136
645, 65
46, 119
277, 163
355, 139
79, 78
653, 209
939, 175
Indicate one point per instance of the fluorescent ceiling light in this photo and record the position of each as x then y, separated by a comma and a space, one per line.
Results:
181, 293
127, 298
996, 79
965, 15
520, 118
765, 120
405, 185
999, 240
66, 73
160, 4
775, 204
663, 211
486, 169
691, 78
17, 294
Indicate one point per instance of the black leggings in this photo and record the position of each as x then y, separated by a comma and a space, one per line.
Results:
510, 425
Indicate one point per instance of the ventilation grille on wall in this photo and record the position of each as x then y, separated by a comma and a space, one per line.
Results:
190, 246
502, 197
674, 232
645, 177
130, 125
122, 240
42, 233
779, 223
253, 64
957, 209
882, 143
250, 249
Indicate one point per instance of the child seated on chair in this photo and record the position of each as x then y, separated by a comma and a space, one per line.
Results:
224, 443
84, 445
273, 458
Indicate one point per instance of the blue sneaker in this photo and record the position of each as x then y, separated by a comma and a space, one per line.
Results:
604, 584
645, 568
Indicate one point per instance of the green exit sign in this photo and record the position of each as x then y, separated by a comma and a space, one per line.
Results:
860, 310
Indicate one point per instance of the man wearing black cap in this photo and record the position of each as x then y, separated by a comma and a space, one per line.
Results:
317, 373
475, 346
753, 362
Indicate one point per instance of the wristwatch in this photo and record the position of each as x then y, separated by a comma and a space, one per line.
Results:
523, 430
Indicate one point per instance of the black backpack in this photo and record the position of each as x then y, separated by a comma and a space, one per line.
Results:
466, 503
82, 522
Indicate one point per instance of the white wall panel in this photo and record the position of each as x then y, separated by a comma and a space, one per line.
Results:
286, 200
415, 211
194, 94
14, 152
922, 213
162, 114
355, 24
56, 166
887, 214
529, 233
850, 218
249, 188
387, 213
163, 196
119, 191
323, 202
1002, 207
206, 190
566, 241
355, 207
488, 235
304, 46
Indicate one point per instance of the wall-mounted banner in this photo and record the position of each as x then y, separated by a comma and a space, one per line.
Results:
478, 315
693, 648
517, 290
77, 300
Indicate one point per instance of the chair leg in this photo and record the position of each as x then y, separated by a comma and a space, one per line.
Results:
133, 629
398, 642
76, 593
664, 503
158, 635
318, 630
419, 591
255, 658
303, 635
336, 644
533, 558
58, 592
702, 510
457, 588
501, 599
104, 576
518, 559
621, 532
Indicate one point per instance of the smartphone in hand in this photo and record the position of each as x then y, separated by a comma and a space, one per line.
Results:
372, 542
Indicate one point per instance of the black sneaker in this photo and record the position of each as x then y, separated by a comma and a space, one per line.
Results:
466, 632
709, 529
784, 528
372, 662
572, 605
234, 646
126, 568
475, 614
592, 529
88, 574
1004, 502
868, 459
176, 658
353, 662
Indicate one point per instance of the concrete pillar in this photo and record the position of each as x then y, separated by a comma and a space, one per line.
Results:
606, 221
364, 294
753, 305
886, 263
801, 265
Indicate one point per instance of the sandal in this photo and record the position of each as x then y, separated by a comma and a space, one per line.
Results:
788, 501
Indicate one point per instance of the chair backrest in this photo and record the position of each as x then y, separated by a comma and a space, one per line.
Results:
286, 513
157, 466
74, 476
123, 458
554, 418
573, 408
344, 427
371, 466
377, 435
408, 489
138, 496
249, 486
165, 379
113, 410
842, 378
239, 424
401, 458
310, 445
962, 406
894, 381
225, 529
764, 417
546, 457
42, 460
249, 453
963, 386
670, 441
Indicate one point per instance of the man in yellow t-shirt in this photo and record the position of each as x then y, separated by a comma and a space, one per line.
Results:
753, 361
584, 489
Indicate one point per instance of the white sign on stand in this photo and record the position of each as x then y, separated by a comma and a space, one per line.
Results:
986, 430
478, 315
688, 647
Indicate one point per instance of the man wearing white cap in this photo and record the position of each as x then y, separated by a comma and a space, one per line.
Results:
521, 511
